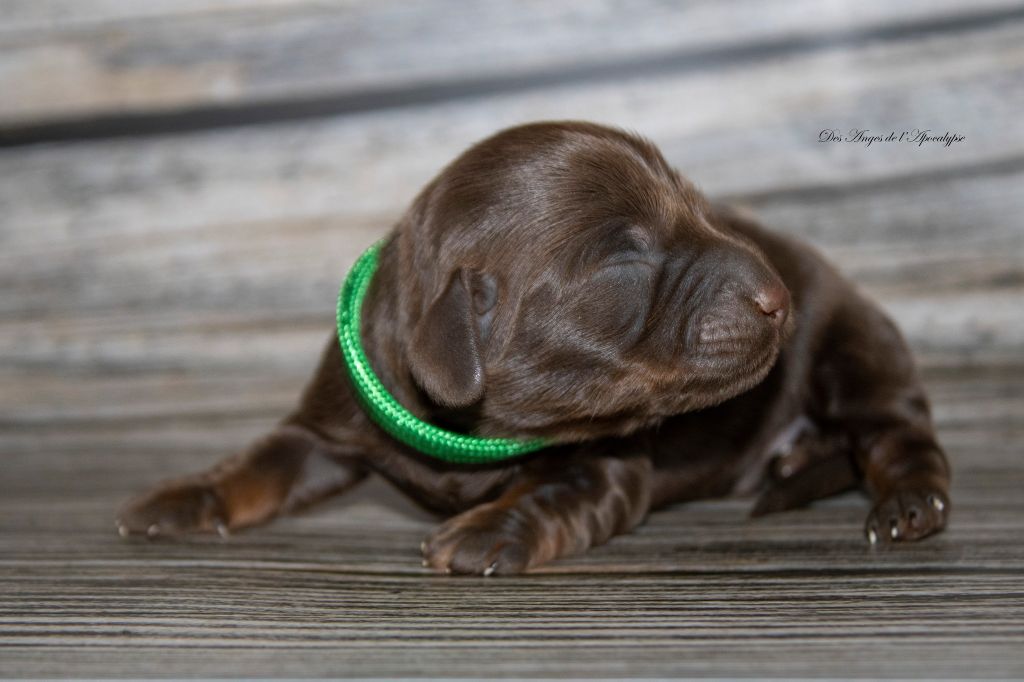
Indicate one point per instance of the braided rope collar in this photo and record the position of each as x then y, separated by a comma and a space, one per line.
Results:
382, 407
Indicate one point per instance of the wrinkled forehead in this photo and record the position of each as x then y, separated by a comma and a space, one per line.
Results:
577, 198
645, 227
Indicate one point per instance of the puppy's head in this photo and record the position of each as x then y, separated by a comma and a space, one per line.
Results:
561, 280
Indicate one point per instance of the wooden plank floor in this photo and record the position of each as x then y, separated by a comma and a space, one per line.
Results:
699, 589
183, 184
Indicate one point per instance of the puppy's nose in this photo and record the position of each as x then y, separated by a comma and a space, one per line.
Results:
773, 301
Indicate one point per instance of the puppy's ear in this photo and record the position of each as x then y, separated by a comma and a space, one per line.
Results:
445, 354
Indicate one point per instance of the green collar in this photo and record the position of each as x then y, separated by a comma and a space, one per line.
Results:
382, 407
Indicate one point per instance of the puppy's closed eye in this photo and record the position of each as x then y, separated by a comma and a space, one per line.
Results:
614, 302
484, 299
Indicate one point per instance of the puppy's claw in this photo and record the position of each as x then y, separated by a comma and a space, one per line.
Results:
153, 531
908, 515
222, 530
490, 569
123, 531
872, 536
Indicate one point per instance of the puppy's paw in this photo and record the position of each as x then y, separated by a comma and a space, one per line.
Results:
485, 540
815, 480
907, 515
174, 508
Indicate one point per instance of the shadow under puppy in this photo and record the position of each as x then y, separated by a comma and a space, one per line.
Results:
561, 281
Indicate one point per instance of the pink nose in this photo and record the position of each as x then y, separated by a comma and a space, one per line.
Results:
773, 300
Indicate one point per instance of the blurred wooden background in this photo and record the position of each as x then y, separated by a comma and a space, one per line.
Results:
184, 183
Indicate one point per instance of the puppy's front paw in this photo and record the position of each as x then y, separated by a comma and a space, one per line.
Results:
907, 515
482, 541
174, 508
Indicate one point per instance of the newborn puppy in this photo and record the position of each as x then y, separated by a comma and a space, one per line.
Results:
560, 280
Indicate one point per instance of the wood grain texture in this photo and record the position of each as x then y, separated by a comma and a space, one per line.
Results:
699, 589
261, 222
166, 295
119, 58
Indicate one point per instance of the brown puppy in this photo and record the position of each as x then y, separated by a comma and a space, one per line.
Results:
561, 280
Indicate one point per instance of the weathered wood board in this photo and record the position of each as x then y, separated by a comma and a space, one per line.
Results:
698, 590
64, 59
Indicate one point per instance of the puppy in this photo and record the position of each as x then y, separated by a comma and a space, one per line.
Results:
561, 281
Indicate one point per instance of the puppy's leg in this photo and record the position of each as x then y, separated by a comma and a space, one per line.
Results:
289, 468
815, 480
907, 474
561, 507
869, 389
810, 467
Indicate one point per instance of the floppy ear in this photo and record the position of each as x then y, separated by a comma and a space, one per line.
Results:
445, 356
